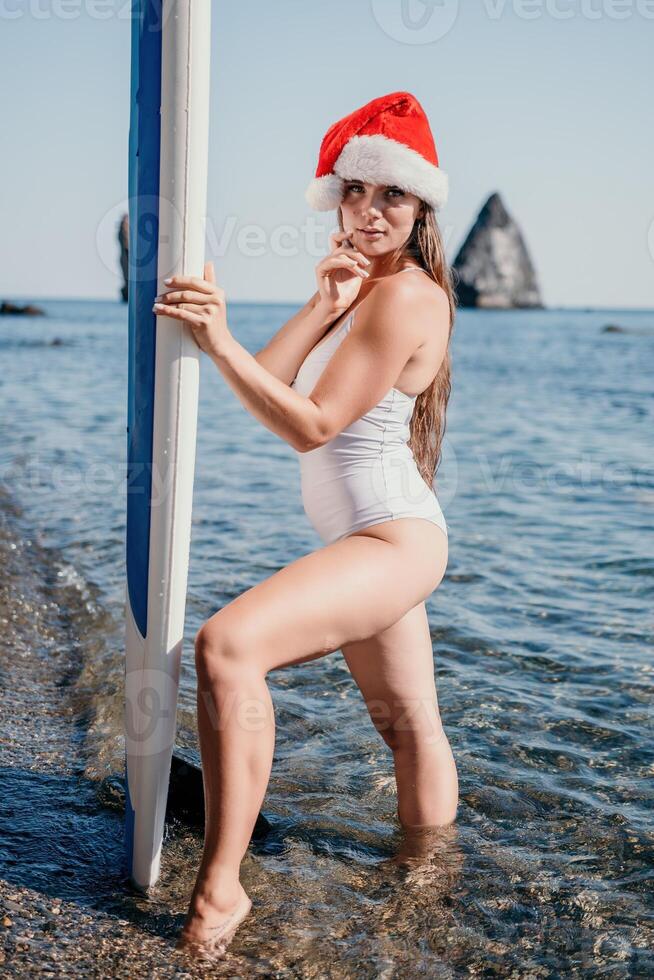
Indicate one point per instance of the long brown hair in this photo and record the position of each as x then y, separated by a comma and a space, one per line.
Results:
427, 427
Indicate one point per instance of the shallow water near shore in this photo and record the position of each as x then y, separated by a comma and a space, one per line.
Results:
542, 632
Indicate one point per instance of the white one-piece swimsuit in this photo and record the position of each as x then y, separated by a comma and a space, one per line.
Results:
367, 473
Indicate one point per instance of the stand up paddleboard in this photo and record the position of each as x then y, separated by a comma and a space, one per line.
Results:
168, 159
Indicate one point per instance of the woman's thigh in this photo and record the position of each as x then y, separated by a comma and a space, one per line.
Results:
394, 670
344, 592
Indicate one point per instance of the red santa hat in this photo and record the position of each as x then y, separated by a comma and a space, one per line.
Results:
386, 141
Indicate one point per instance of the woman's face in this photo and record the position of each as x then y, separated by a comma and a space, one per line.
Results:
383, 207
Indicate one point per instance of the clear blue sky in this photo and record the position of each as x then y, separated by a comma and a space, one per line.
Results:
550, 103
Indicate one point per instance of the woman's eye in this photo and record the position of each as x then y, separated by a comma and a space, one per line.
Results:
389, 190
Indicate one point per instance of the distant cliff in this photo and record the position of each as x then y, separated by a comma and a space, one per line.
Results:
123, 241
493, 268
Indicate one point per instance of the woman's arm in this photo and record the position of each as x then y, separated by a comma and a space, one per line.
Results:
274, 403
285, 351
394, 323
200, 302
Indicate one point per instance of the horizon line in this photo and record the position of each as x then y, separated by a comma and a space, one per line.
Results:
278, 302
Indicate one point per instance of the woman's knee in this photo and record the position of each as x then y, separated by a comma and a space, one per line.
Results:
222, 648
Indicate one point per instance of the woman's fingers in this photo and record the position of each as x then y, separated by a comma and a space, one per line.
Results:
187, 296
337, 237
342, 261
340, 246
195, 281
356, 254
335, 262
344, 249
341, 258
179, 313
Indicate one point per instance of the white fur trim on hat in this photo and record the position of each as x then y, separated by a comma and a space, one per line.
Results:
378, 159
324, 193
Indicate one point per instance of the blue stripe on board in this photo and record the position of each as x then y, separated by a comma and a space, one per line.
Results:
130, 814
144, 155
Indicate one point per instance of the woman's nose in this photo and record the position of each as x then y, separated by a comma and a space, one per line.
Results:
371, 209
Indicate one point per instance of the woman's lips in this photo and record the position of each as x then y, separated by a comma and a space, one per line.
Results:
370, 234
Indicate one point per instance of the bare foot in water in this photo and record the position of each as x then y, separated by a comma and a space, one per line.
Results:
212, 922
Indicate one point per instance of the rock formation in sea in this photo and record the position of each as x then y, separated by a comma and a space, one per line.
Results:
493, 269
7, 308
123, 241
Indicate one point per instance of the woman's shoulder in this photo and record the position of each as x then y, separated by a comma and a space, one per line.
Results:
396, 302
414, 288
417, 280
407, 296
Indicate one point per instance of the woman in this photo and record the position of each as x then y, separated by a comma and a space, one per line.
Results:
363, 366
